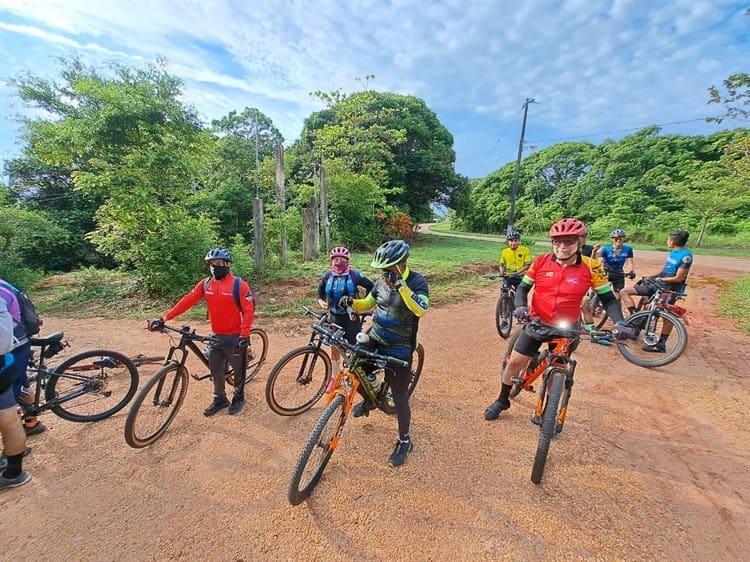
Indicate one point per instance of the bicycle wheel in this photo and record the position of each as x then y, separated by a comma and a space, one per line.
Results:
417, 362
298, 380
650, 326
598, 312
92, 385
555, 384
256, 355
504, 316
156, 405
317, 452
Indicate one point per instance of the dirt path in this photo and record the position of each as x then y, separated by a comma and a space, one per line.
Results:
652, 464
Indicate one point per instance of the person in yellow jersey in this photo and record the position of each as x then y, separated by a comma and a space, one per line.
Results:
514, 260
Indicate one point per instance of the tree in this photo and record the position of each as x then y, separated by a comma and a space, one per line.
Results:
735, 100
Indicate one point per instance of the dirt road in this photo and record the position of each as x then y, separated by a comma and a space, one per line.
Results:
652, 465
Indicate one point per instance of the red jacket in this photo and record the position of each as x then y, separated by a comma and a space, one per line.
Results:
226, 318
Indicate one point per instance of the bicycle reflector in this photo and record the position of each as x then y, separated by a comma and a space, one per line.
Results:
676, 309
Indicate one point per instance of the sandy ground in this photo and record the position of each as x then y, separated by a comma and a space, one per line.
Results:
653, 464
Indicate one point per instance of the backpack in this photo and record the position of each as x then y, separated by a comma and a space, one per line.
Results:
352, 277
235, 290
29, 316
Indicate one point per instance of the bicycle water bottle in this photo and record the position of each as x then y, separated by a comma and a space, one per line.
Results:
362, 338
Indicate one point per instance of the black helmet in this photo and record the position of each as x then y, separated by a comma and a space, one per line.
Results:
390, 253
218, 254
513, 235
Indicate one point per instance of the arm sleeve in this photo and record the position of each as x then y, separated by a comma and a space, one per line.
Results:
322, 288
187, 302
365, 282
365, 304
611, 304
417, 303
522, 293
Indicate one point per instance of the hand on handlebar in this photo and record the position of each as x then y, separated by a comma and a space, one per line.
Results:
243, 343
521, 314
155, 325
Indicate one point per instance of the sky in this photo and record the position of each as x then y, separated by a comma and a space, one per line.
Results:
596, 69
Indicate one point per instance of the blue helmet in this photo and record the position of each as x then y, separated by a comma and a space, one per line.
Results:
513, 235
218, 254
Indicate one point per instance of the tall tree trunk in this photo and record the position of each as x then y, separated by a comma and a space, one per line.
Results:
704, 222
281, 196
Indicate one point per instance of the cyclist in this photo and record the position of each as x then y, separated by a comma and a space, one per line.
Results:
616, 259
589, 251
560, 280
338, 281
230, 323
673, 275
514, 261
400, 299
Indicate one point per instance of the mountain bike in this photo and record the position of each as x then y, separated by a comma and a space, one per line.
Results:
655, 316
556, 369
89, 386
299, 378
326, 433
158, 402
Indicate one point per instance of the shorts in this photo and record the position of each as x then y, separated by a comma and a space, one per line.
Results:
644, 291
7, 399
529, 346
618, 281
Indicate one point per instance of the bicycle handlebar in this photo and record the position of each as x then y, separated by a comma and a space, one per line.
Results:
189, 333
340, 340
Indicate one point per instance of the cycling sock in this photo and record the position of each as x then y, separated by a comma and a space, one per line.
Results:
504, 392
404, 438
14, 465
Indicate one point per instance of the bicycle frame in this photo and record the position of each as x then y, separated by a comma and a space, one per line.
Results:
41, 374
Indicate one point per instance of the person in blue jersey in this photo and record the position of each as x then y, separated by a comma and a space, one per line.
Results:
617, 259
673, 275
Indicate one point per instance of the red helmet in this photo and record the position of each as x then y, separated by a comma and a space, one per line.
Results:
340, 252
567, 227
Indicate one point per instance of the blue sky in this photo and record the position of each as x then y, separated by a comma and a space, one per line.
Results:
598, 69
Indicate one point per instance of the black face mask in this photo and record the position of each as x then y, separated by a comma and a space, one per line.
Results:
219, 271
390, 276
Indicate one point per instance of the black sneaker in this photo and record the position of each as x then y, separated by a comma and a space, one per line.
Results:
236, 406
216, 405
494, 409
20, 480
361, 409
400, 452
658, 347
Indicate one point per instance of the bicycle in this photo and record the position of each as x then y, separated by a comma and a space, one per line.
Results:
89, 386
556, 369
299, 379
157, 403
326, 433
505, 304
653, 315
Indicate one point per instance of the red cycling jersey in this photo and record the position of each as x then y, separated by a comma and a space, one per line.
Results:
222, 309
559, 289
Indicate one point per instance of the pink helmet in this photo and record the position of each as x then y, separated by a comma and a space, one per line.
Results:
567, 227
340, 252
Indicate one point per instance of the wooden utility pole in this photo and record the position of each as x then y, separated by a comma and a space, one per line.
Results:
258, 213
281, 196
514, 188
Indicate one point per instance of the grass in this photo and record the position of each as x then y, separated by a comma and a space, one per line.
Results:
735, 302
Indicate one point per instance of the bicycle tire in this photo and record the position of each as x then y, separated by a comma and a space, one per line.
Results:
504, 325
389, 407
317, 451
298, 380
598, 312
256, 357
82, 390
152, 404
633, 350
556, 384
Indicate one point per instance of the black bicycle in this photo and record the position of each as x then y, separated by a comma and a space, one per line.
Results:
299, 378
86, 387
158, 402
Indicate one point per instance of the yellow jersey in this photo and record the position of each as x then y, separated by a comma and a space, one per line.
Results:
515, 260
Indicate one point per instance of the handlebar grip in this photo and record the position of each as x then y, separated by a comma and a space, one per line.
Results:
398, 362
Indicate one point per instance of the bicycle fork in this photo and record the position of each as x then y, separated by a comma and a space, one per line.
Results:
541, 403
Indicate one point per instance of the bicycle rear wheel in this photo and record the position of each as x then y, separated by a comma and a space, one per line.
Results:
156, 405
92, 385
317, 451
649, 327
298, 380
256, 355
555, 385
504, 316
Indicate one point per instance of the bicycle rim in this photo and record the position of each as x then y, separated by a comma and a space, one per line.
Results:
649, 326
298, 380
317, 451
556, 383
256, 355
92, 385
156, 405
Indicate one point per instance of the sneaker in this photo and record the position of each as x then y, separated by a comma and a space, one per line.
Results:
35, 429
400, 452
4, 458
658, 347
494, 409
19, 480
216, 405
360, 410
238, 402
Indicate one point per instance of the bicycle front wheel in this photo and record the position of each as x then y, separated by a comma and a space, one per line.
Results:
417, 362
92, 385
298, 380
504, 316
156, 405
555, 385
317, 451
648, 350
256, 355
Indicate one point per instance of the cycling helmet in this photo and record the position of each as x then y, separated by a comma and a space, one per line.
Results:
567, 227
218, 254
340, 252
390, 253
618, 232
513, 235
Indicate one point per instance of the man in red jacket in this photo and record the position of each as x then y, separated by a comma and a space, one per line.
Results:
231, 320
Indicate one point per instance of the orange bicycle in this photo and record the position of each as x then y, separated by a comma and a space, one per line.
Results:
556, 368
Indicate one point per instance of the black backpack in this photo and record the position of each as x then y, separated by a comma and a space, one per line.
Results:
29, 317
